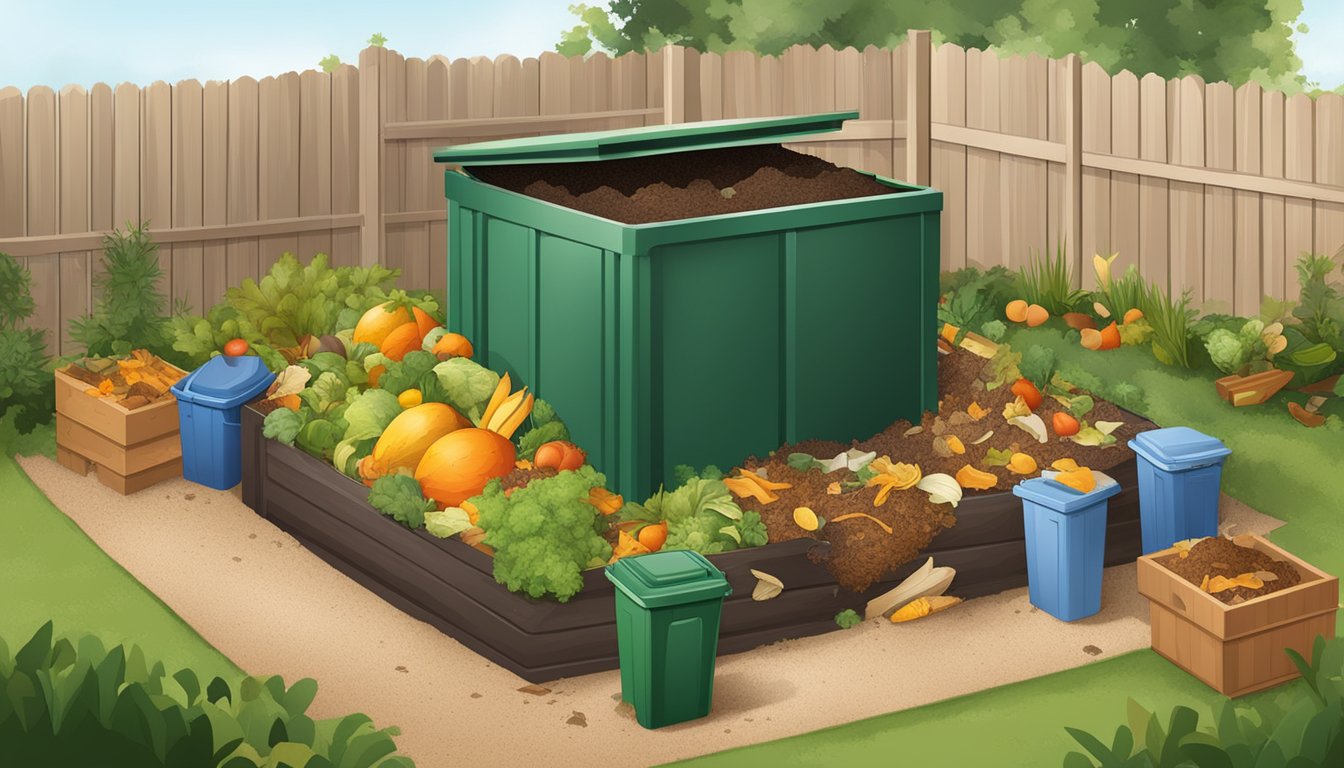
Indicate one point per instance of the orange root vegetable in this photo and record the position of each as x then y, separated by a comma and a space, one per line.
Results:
377, 323
459, 464
1110, 336
1065, 424
423, 322
1133, 314
1016, 311
1026, 390
853, 515
653, 536
1036, 315
559, 455
1091, 339
452, 345
1078, 321
402, 340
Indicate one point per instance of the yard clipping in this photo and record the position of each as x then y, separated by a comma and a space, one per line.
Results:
927, 581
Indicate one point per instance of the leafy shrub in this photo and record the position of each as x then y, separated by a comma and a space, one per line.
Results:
1171, 319
1047, 280
73, 702
1297, 728
27, 395
971, 298
130, 313
1119, 294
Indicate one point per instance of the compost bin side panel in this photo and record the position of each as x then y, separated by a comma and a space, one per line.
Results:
254, 460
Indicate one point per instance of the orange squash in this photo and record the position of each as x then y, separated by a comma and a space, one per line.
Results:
401, 341
459, 464
452, 345
408, 437
377, 323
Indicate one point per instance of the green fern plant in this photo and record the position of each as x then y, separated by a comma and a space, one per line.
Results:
1171, 318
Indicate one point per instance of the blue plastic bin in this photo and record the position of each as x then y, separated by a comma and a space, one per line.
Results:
208, 403
1066, 545
1180, 471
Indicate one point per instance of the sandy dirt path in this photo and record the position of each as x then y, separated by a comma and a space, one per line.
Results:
258, 596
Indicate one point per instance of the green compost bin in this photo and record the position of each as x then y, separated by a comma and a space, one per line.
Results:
703, 340
667, 629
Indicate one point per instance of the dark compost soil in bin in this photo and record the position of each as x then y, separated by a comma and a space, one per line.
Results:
1222, 557
861, 552
685, 185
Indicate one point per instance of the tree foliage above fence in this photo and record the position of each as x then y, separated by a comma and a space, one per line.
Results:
1233, 40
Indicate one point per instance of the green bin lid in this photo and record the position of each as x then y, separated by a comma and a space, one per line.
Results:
645, 140
661, 579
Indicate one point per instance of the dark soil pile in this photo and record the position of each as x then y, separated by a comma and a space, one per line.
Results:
861, 552
685, 185
1223, 557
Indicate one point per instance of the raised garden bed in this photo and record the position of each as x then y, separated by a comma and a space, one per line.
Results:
450, 585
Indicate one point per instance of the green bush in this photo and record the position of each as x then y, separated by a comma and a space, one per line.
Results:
1171, 319
27, 394
71, 702
1300, 728
973, 299
131, 312
1047, 280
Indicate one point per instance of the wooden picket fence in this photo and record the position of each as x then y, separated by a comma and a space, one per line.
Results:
1205, 187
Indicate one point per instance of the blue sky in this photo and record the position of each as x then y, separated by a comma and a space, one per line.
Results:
145, 40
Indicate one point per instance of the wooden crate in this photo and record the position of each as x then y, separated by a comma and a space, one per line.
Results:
1237, 649
129, 450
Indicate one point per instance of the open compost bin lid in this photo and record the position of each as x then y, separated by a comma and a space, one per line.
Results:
643, 141
674, 577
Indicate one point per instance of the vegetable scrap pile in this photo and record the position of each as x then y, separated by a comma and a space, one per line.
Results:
1231, 572
881, 501
133, 382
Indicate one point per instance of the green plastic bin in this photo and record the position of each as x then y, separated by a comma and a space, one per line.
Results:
704, 340
667, 629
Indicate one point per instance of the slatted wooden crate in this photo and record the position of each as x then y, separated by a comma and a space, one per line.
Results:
1238, 649
129, 450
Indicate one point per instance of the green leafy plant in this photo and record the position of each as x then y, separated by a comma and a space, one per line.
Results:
400, 498
1117, 294
848, 619
1242, 351
971, 298
1315, 347
1048, 280
701, 515
27, 396
329, 63
546, 426
71, 701
545, 533
1171, 319
1038, 366
131, 308
1303, 726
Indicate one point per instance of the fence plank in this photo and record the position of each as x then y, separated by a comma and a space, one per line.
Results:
919, 53
73, 132
1070, 114
126, 156
1275, 267
1153, 244
395, 154
187, 166
436, 108
711, 85
1329, 236
43, 198
345, 172
1220, 277
315, 158
14, 211
243, 141
947, 163
986, 230
741, 84
1126, 132
214, 189
1298, 215
1185, 98
1097, 119
156, 169
1246, 205
413, 239
278, 102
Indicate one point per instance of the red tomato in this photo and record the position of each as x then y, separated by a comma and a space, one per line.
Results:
236, 348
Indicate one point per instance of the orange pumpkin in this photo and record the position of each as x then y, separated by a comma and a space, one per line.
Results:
459, 464
377, 323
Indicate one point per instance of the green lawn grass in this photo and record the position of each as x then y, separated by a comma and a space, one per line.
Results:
50, 570
1277, 466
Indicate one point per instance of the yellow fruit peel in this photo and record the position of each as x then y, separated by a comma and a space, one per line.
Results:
924, 606
1081, 480
1022, 464
806, 519
892, 476
973, 479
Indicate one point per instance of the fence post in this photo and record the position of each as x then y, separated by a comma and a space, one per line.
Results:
919, 49
674, 84
372, 235
1072, 90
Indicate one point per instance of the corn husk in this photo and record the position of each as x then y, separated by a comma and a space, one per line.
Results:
924, 606
927, 581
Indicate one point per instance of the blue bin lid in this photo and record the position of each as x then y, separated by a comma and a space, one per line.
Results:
1061, 498
1178, 448
675, 577
225, 381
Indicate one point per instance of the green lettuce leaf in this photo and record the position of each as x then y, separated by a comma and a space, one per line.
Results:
283, 424
447, 522
408, 372
319, 438
400, 498
370, 413
468, 385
